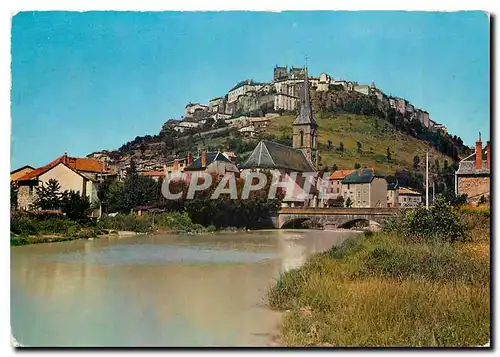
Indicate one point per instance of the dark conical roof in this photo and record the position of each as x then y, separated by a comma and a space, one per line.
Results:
271, 155
305, 114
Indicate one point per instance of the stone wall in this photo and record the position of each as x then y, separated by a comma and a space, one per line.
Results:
474, 187
24, 198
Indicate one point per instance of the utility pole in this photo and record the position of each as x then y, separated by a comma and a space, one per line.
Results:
433, 190
427, 180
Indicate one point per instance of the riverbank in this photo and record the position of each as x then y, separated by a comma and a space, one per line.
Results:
380, 289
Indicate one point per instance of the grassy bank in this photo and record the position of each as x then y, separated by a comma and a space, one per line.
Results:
168, 221
31, 228
27, 228
384, 289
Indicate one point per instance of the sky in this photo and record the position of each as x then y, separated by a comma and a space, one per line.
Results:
88, 81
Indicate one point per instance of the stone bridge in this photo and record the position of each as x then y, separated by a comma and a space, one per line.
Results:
289, 217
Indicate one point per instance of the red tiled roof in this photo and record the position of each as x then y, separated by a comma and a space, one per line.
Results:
75, 163
340, 174
153, 173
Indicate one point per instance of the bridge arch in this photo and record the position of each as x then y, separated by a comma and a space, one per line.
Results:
295, 223
352, 222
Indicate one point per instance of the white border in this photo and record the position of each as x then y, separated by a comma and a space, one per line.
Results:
11, 7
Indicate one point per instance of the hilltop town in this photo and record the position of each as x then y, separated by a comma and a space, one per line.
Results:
250, 110
249, 107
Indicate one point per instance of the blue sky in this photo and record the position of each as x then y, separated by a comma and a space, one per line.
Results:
83, 82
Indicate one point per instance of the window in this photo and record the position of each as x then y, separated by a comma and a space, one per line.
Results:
301, 138
338, 189
30, 192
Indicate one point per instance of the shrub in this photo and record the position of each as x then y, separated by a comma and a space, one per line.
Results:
126, 222
441, 222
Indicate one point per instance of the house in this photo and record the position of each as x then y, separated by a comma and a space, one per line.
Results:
239, 122
186, 125
78, 174
365, 188
281, 160
212, 162
248, 131
155, 175
473, 175
363, 89
220, 116
14, 175
284, 101
392, 195
408, 198
324, 82
191, 108
259, 123
242, 88
335, 182
216, 105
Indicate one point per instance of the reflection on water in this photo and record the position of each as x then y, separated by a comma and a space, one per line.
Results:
170, 290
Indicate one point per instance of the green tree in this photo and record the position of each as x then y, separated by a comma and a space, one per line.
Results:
341, 146
358, 144
329, 144
334, 167
48, 195
112, 194
74, 205
388, 154
348, 202
132, 169
137, 191
357, 165
416, 162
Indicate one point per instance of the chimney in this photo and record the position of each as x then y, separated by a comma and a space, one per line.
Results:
65, 158
488, 154
189, 160
479, 153
203, 158
176, 165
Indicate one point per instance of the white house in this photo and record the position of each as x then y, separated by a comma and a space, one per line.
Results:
242, 88
183, 125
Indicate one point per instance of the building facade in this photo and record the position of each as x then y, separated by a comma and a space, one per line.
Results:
365, 188
473, 175
408, 198
78, 174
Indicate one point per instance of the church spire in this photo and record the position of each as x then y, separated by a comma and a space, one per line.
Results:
305, 112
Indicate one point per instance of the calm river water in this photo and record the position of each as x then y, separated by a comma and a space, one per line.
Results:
164, 290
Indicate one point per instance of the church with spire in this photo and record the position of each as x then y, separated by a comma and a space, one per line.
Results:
305, 128
300, 158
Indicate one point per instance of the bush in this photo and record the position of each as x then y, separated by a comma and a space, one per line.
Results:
126, 222
35, 224
441, 222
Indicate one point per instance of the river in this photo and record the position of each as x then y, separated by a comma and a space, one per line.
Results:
155, 291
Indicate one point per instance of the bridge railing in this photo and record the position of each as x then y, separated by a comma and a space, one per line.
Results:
339, 210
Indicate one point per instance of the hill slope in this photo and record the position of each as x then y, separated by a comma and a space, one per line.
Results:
375, 136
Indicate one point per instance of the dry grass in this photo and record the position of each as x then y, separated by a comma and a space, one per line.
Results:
382, 291
378, 312
374, 138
